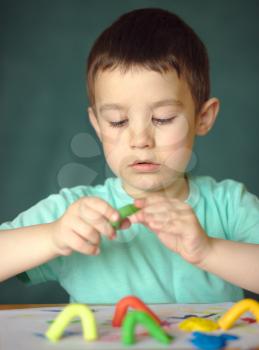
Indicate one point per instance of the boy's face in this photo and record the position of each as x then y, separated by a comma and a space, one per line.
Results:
135, 126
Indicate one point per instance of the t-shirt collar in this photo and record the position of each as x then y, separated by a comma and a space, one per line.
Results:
125, 198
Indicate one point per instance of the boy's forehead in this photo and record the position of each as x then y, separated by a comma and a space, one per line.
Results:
134, 75
114, 88
116, 106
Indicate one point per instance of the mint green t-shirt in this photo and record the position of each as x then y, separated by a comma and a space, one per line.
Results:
136, 262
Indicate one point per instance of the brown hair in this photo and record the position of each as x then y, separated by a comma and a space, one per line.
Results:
155, 39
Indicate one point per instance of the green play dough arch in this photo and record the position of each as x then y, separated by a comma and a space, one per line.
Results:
139, 317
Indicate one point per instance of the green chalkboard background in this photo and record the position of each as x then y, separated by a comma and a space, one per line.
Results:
45, 136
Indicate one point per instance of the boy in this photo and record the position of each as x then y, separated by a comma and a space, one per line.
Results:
193, 239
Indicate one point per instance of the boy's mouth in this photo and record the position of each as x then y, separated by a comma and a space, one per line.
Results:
145, 165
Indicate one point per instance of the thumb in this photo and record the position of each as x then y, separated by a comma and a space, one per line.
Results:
138, 217
139, 202
125, 224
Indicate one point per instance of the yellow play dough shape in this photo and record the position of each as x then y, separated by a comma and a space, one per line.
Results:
193, 324
227, 320
71, 311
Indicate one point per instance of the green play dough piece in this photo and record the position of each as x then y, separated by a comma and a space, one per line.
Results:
134, 318
124, 212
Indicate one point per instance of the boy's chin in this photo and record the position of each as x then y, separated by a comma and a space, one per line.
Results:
146, 184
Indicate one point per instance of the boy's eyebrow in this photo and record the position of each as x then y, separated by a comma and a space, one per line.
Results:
167, 102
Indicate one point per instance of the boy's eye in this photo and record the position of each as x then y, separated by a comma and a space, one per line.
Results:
157, 121
162, 121
118, 124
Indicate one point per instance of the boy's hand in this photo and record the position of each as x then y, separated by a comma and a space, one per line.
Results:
82, 225
175, 224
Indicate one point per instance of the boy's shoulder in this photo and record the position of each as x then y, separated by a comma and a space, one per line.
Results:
221, 191
53, 206
110, 188
209, 183
229, 205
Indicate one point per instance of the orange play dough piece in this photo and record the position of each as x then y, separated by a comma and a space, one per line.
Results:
227, 320
134, 302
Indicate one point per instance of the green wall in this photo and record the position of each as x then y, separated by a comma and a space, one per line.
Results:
45, 137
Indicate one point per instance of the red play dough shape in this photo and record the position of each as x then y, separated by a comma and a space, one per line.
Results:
134, 302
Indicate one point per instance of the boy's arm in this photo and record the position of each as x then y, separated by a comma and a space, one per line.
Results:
79, 229
235, 262
179, 229
24, 248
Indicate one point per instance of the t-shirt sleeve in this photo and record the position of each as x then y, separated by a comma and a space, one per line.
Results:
243, 207
45, 211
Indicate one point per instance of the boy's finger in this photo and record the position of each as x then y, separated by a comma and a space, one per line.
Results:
98, 221
139, 202
78, 244
91, 235
103, 208
125, 224
138, 217
86, 231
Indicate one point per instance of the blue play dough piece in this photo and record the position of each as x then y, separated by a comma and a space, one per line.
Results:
204, 341
229, 336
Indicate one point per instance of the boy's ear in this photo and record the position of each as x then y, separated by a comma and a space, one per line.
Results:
207, 116
94, 122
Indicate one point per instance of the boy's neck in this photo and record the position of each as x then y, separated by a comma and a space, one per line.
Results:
179, 190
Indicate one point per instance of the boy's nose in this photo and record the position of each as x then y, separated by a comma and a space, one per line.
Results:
141, 138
